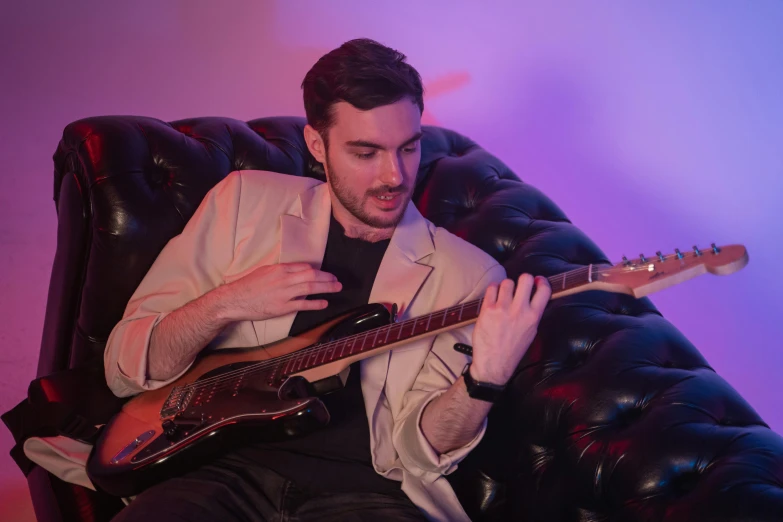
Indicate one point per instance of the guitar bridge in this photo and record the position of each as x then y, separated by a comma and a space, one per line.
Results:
177, 401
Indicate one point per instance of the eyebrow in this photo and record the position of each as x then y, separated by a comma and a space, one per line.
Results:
371, 145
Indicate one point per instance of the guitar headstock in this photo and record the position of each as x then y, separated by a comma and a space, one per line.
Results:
645, 275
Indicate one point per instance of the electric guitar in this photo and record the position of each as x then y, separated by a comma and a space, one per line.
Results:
234, 395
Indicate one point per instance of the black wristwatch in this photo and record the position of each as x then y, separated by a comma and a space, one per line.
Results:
484, 391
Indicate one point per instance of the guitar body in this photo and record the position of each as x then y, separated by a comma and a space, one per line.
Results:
217, 405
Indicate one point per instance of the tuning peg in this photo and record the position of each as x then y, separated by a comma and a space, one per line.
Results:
715, 250
642, 258
696, 251
679, 255
626, 262
660, 256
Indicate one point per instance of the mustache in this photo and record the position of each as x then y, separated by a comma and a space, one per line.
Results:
388, 191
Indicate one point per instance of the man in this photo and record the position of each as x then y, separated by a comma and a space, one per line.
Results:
269, 255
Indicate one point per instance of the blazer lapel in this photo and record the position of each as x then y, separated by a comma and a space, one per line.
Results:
398, 280
403, 270
304, 231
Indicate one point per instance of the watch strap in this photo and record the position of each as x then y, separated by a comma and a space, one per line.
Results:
484, 391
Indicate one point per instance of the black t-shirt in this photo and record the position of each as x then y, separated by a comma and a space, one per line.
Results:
336, 458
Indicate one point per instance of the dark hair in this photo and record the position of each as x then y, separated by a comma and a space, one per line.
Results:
363, 73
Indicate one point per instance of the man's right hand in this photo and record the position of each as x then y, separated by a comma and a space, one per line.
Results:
274, 290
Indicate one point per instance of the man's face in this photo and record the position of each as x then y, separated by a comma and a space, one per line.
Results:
372, 160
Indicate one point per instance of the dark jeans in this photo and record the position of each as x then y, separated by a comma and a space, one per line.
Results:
233, 489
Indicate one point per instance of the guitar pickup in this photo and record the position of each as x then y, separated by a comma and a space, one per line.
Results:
464, 348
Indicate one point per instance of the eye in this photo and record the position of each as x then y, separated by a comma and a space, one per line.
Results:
365, 155
411, 149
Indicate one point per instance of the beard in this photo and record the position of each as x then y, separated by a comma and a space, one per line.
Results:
355, 203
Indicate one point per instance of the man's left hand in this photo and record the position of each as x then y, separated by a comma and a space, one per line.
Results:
506, 326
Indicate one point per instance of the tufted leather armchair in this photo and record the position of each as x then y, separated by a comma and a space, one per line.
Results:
613, 414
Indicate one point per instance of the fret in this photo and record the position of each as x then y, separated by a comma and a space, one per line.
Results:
590, 273
301, 360
445, 313
564, 280
413, 330
461, 308
400, 332
345, 341
427, 328
374, 339
350, 352
364, 340
388, 330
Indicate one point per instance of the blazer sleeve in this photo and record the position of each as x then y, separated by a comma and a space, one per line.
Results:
442, 367
190, 265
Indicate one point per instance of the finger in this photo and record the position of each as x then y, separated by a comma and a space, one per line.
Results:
312, 274
295, 267
491, 294
299, 305
542, 295
524, 288
506, 293
314, 287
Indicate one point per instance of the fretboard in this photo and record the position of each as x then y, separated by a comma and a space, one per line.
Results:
377, 339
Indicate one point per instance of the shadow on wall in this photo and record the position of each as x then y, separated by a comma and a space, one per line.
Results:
277, 69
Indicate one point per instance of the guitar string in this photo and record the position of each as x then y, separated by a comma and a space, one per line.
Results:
318, 347
306, 353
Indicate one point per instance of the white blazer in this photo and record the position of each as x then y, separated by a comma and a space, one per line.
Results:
256, 218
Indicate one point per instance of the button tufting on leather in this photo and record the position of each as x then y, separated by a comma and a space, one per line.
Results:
629, 417
685, 482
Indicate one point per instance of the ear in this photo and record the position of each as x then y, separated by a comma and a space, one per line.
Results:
315, 144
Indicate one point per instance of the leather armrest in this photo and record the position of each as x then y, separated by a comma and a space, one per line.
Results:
83, 390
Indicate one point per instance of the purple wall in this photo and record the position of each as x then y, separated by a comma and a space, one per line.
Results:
652, 126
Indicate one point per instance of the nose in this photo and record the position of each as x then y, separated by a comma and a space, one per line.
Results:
391, 174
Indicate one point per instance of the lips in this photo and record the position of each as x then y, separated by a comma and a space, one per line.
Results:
388, 204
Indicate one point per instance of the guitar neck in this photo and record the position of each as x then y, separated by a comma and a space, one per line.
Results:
638, 277
378, 340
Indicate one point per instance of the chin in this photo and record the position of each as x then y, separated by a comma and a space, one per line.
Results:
381, 219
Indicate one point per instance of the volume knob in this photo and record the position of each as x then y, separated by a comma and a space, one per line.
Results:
171, 430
